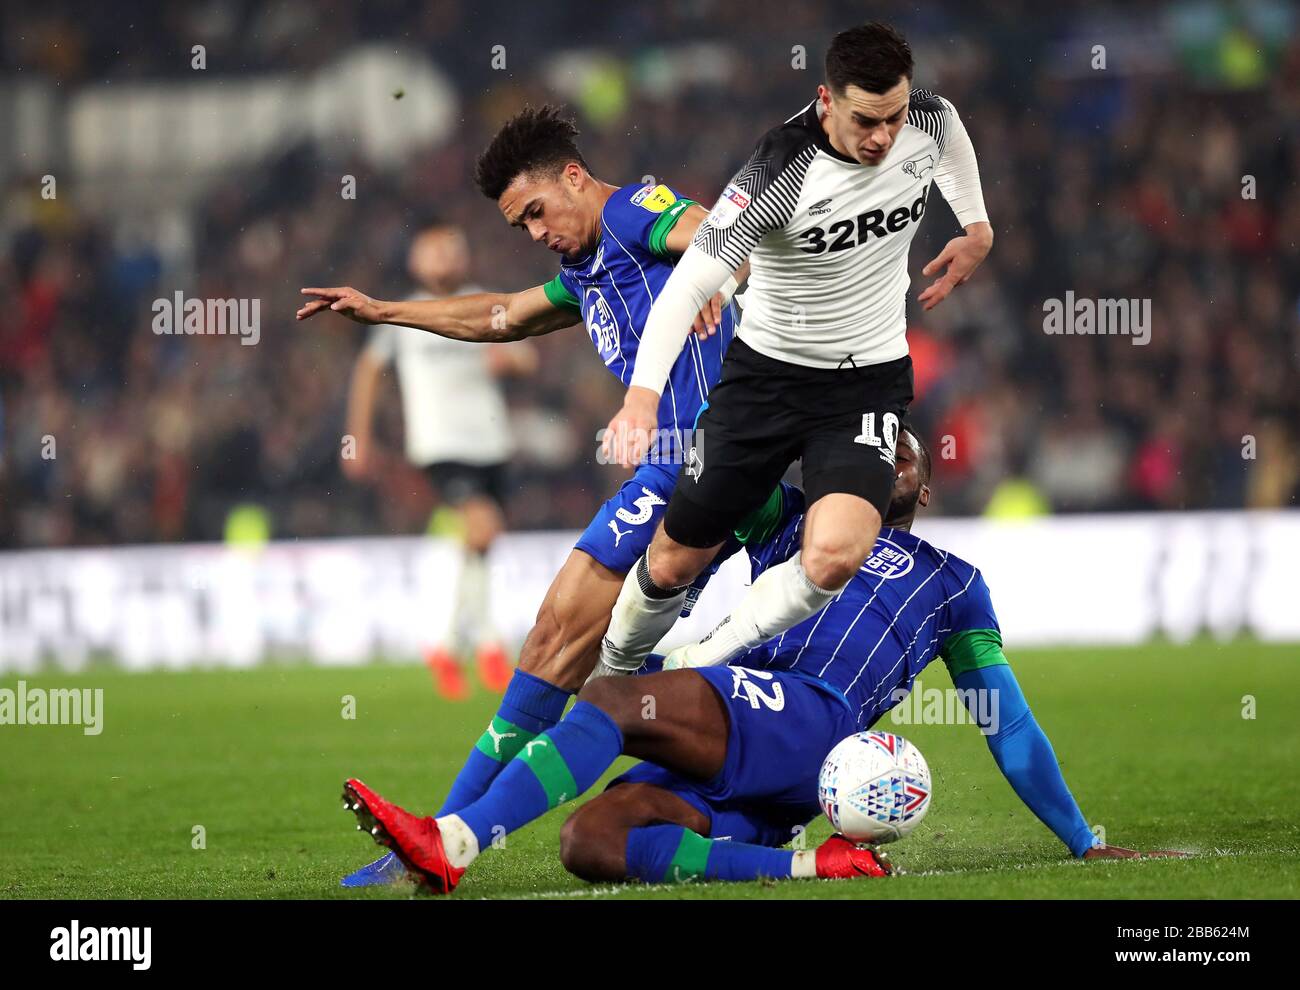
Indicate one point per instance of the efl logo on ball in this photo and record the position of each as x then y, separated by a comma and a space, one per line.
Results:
874, 787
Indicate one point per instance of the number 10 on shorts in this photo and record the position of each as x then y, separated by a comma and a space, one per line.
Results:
885, 443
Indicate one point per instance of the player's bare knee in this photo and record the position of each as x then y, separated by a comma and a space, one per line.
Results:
479, 538
617, 697
831, 561
571, 844
483, 523
672, 564
590, 848
668, 568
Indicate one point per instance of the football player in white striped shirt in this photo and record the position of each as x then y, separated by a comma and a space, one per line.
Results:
819, 371
457, 431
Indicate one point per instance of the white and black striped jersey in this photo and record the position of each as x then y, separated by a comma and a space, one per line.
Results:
827, 238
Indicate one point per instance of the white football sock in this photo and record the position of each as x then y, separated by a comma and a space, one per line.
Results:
804, 865
642, 617
458, 841
783, 596
602, 669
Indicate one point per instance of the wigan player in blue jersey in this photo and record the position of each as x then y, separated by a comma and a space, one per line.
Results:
734, 751
617, 247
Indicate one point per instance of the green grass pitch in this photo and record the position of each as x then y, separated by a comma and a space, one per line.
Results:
1153, 742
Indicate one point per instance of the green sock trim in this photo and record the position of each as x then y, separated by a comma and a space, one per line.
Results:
691, 859
503, 740
548, 766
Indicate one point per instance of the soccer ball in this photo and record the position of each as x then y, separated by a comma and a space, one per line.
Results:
874, 787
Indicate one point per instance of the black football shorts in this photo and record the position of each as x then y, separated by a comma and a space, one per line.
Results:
765, 414
456, 481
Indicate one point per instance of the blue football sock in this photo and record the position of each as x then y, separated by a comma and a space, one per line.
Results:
530, 707
554, 768
673, 854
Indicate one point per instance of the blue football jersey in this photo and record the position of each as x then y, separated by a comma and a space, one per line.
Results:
905, 603
614, 287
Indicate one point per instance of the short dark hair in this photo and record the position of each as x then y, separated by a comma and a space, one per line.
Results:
872, 56
530, 141
926, 465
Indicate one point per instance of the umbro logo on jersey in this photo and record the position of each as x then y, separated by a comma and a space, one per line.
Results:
820, 208
600, 259
919, 168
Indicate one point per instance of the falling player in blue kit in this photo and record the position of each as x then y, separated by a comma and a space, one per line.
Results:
617, 247
734, 751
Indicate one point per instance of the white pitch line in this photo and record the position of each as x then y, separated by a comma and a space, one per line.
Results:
611, 890
619, 890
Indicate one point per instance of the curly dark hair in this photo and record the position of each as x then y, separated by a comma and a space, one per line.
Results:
531, 141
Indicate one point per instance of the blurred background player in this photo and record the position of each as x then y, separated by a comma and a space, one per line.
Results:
457, 432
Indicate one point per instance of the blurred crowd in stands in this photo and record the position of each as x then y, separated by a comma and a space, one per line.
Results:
1176, 183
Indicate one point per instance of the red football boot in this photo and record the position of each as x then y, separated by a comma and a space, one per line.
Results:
838, 858
448, 676
494, 668
415, 840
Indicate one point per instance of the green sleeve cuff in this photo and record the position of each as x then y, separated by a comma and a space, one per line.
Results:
761, 524
559, 296
658, 241
971, 650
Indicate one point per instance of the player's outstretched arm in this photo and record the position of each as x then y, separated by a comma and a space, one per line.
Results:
1018, 745
483, 317
1027, 760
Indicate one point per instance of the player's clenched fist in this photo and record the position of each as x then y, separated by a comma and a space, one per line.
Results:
346, 301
